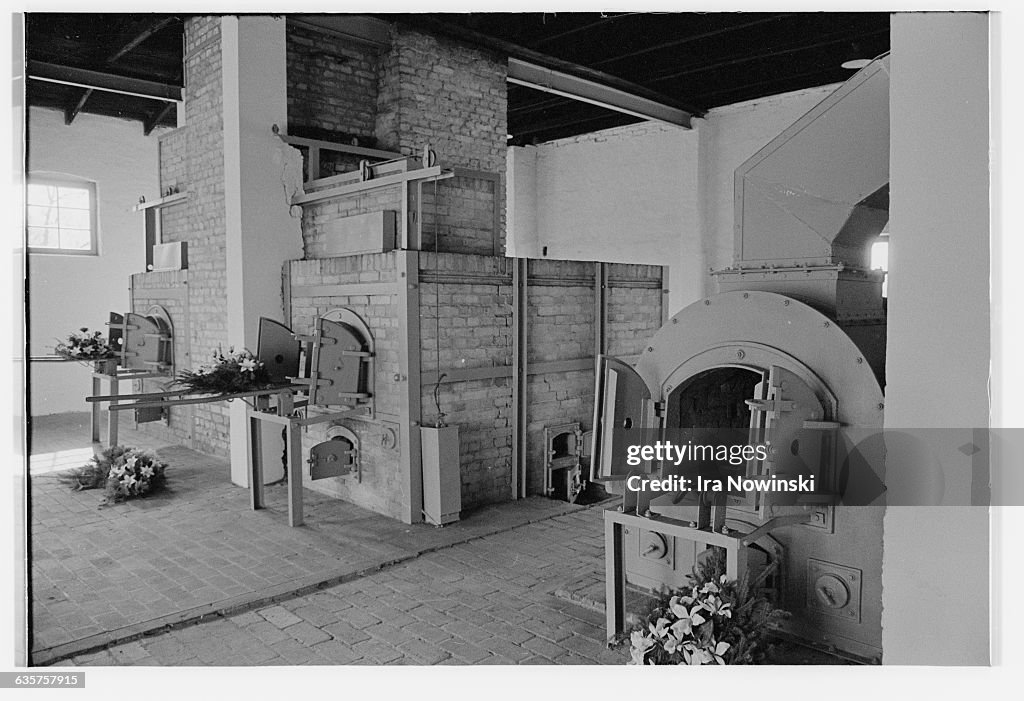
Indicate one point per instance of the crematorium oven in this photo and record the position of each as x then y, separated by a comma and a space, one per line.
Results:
790, 354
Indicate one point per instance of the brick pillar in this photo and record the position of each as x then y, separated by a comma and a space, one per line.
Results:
237, 223
203, 225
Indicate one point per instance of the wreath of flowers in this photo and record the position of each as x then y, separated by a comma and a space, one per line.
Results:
134, 474
123, 473
85, 345
714, 621
232, 372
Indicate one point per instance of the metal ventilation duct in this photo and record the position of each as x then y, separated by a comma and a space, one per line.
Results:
819, 192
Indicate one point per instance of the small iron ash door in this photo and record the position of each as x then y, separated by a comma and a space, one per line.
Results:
336, 457
563, 474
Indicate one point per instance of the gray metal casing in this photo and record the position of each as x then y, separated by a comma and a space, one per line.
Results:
442, 483
779, 330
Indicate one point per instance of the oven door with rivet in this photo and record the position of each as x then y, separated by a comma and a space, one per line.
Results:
623, 409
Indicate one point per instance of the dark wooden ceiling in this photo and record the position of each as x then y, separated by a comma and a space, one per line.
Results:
142, 47
695, 61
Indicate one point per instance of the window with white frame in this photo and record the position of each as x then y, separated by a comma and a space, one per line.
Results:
60, 215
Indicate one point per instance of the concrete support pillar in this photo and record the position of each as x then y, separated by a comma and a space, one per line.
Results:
936, 559
260, 232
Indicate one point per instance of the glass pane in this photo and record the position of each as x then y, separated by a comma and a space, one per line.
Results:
880, 255
75, 219
42, 238
76, 197
42, 194
41, 216
75, 239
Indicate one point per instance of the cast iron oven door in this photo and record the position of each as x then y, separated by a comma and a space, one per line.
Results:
339, 362
278, 350
115, 335
146, 344
622, 410
333, 458
563, 477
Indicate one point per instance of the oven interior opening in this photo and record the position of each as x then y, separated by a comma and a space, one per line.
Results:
710, 409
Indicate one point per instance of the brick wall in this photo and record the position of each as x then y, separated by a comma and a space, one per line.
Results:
429, 91
332, 82
317, 287
192, 159
174, 168
635, 300
466, 332
453, 97
332, 91
561, 326
459, 216
319, 218
466, 304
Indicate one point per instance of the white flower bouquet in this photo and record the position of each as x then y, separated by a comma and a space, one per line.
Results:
134, 474
85, 345
715, 621
231, 372
122, 473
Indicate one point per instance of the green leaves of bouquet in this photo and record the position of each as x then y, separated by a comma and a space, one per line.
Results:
85, 345
231, 372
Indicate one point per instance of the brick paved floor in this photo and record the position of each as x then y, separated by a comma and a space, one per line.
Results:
488, 601
194, 577
102, 574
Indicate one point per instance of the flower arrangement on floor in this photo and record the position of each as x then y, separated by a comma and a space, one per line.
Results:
123, 473
85, 346
233, 372
714, 621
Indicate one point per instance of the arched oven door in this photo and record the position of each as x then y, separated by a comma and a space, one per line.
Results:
622, 410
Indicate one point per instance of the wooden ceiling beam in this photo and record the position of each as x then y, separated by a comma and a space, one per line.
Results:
771, 53
563, 122
145, 31
83, 78
545, 64
148, 125
603, 95
72, 110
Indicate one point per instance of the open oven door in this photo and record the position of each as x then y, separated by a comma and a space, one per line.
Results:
278, 350
794, 423
622, 409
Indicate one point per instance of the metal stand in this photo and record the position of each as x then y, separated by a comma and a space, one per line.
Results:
615, 523
281, 414
107, 370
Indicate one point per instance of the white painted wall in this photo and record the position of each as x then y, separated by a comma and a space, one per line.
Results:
67, 292
729, 136
936, 561
646, 193
625, 195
